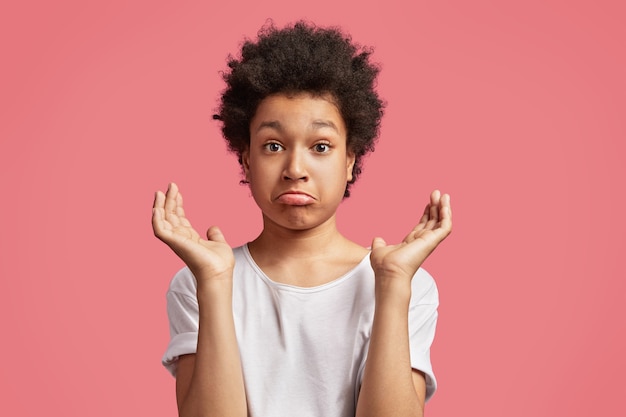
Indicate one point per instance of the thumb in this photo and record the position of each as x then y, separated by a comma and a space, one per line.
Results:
378, 242
215, 234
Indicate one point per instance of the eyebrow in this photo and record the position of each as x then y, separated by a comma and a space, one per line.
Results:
317, 124
272, 124
320, 124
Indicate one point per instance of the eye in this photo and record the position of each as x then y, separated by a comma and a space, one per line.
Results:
321, 147
273, 147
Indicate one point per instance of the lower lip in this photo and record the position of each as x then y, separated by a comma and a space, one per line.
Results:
295, 199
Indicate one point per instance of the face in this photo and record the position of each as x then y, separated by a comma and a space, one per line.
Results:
297, 163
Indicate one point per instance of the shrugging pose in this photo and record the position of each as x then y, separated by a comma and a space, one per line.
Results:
301, 321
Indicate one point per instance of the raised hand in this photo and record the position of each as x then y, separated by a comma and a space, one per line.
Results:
211, 258
403, 259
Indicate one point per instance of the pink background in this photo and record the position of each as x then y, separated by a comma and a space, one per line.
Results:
517, 110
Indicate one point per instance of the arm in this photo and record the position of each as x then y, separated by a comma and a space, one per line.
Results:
209, 382
390, 387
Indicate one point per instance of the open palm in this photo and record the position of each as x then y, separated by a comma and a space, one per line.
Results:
406, 257
211, 257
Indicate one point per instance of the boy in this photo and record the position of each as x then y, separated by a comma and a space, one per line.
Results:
300, 321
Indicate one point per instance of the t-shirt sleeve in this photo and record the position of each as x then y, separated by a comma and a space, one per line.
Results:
422, 323
182, 311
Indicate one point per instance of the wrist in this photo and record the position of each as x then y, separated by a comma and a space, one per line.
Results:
214, 286
395, 289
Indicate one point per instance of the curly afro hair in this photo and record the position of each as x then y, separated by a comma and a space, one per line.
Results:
303, 58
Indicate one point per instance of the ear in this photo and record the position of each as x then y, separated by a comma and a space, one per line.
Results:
350, 160
245, 163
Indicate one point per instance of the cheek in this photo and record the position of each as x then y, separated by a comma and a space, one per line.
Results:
339, 175
261, 178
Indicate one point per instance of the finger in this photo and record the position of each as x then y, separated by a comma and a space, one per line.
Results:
171, 205
378, 242
158, 213
170, 198
180, 212
435, 198
425, 216
159, 200
420, 226
215, 234
433, 215
446, 213
449, 207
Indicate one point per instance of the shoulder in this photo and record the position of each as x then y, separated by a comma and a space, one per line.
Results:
241, 254
424, 288
184, 282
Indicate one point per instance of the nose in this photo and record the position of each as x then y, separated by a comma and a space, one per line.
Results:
295, 166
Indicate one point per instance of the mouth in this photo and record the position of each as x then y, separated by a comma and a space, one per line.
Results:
295, 198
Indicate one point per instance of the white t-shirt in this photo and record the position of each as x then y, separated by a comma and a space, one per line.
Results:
303, 350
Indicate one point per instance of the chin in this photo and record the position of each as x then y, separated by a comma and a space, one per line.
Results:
297, 220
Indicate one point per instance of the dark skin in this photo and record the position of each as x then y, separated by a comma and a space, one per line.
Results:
303, 229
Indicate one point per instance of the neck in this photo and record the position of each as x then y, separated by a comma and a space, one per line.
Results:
278, 241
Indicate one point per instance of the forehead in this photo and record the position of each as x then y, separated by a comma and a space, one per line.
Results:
297, 112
